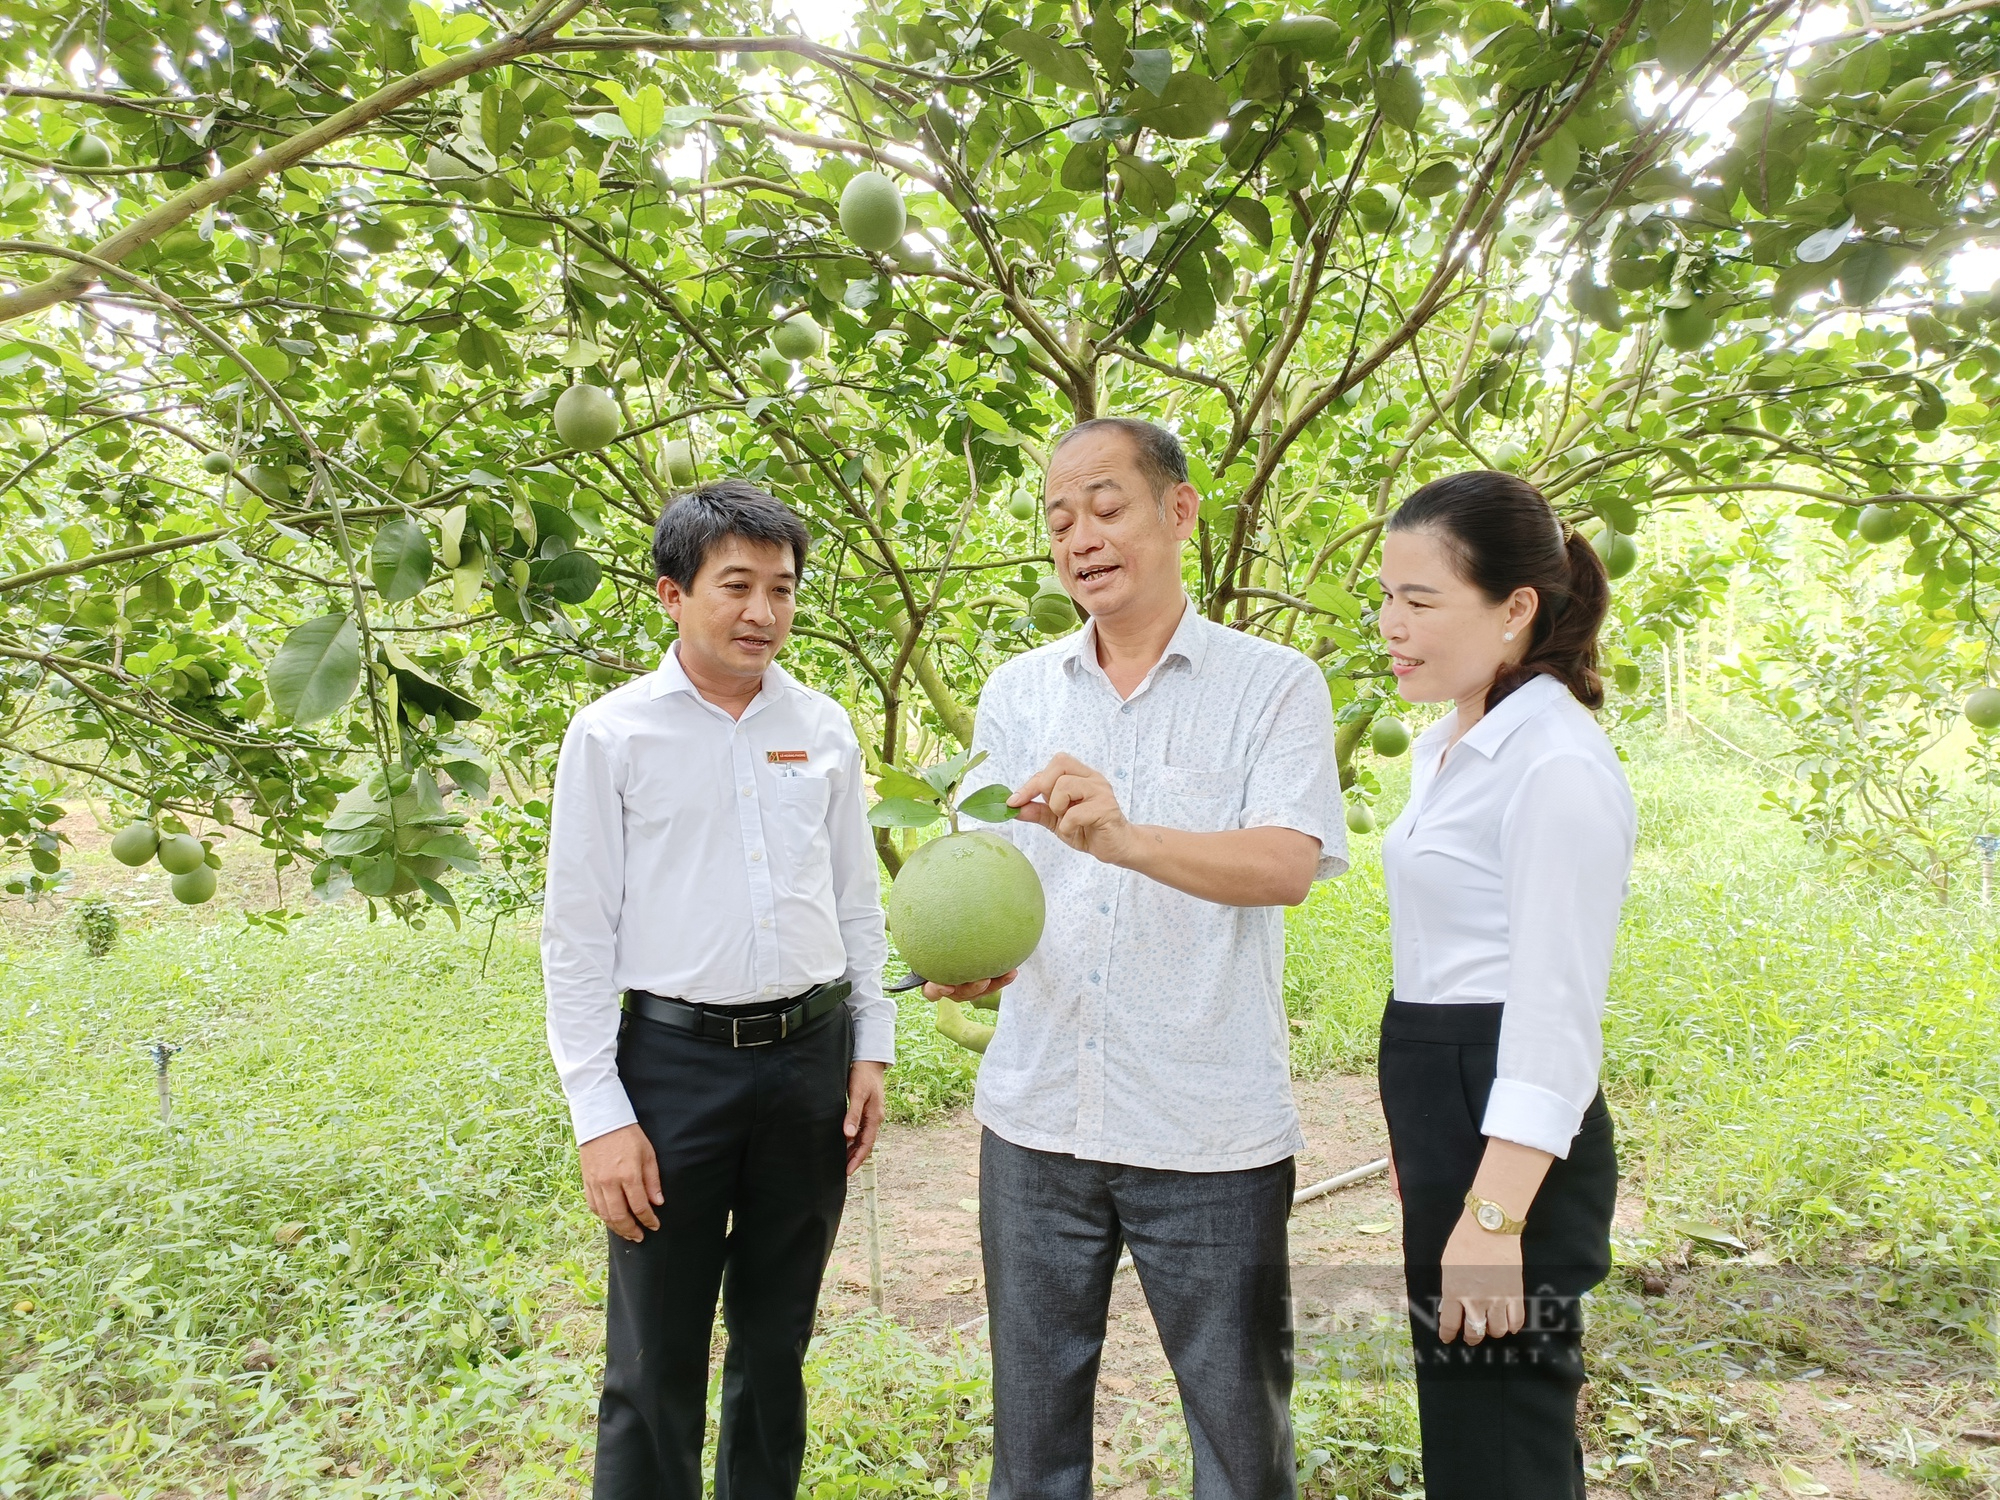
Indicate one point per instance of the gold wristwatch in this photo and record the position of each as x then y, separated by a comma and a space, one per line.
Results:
1491, 1217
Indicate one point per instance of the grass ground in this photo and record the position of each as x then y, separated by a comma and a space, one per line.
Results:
355, 1263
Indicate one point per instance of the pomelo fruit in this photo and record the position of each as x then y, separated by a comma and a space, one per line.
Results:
1507, 457
777, 369
1880, 523
1505, 338
966, 906
1686, 328
1619, 552
602, 673
586, 416
217, 463
194, 886
134, 844
1389, 736
1379, 208
88, 151
798, 337
1360, 818
1052, 610
180, 852
872, 213
1314, 37
1982, 708
1022, 506
680, 461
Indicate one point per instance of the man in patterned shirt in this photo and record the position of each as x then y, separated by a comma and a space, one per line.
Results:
1177, 789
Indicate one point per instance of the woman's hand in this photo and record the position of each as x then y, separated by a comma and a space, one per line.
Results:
1482, 1284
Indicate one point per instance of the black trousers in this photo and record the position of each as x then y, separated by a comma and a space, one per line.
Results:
1498, 1418
753, 1165
1210, 1251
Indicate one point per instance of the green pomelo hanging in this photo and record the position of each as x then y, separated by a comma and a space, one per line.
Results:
1389, 736
1022, 506
966, 906
1360, 818
1982, 708
680, 462
586, 416
216, 463
194, 886
1880, 523
872, 213
1619, 552
181, 852
1686, 328
1052, 610
798, 337
135, 843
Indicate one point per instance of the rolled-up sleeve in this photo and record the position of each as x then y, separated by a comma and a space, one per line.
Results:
583, 895
1292, 780
857, 895
1566, 856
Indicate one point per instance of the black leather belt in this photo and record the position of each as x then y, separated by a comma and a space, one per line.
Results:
738, 1026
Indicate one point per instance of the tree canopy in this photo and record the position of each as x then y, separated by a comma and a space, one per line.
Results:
298, 540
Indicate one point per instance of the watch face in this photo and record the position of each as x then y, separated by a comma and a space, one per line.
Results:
1489, 1216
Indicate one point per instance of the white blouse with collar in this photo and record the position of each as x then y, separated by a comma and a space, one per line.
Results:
1505, 872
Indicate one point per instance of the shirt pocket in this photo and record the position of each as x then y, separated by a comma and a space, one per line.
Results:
1197, 801
801, 814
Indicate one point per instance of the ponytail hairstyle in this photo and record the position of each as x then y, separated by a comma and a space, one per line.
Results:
1505, 536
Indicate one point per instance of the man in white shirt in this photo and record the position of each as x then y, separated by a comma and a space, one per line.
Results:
1177, 789
710, 863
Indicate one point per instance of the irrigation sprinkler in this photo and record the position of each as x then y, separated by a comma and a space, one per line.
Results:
1988, 845
161, 1052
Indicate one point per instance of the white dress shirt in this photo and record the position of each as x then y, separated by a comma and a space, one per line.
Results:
1149, 1027
718, 860
1505, 872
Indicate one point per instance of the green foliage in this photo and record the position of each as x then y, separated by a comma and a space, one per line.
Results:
96, 925
315, 375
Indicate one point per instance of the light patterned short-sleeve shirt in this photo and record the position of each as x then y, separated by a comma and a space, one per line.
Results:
1149, 1027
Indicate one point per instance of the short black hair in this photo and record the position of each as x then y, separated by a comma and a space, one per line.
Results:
694, 522
1161, 458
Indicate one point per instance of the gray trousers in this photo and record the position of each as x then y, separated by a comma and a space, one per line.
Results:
1210, 1250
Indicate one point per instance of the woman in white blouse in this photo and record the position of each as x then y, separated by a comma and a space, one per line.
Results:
1505, 874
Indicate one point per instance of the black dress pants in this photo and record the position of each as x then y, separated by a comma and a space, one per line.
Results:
1210, 1251
1499, 1417
753, 1165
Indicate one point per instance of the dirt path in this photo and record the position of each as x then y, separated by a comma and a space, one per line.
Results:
928, 1190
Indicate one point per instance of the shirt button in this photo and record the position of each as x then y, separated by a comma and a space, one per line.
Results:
1091, 1045
756, 856
1104, 907
749, 791
1093, 976
1126, 709
763, 921
1121, 775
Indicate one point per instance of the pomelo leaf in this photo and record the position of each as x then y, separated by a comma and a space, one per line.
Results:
315, 672
572, 577
1706, 1233
945, 775
1048, 57
989, 804
400, 560
895, 783
904, 812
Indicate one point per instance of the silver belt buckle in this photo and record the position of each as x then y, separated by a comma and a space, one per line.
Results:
736, 1030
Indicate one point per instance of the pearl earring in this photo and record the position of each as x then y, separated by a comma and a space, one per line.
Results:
1508, 636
